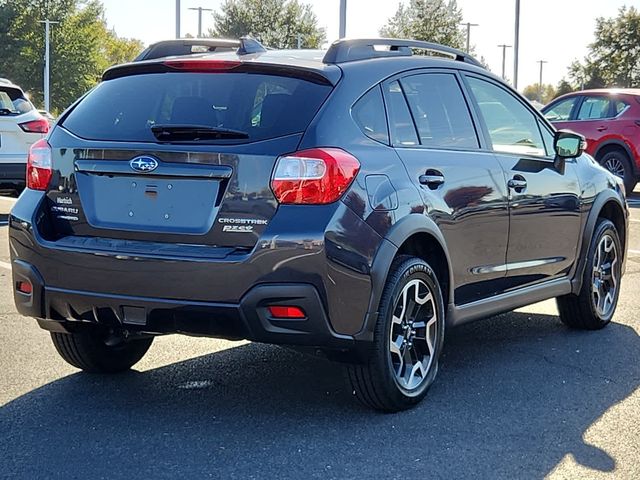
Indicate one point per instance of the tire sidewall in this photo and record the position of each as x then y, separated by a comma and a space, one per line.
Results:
404, 272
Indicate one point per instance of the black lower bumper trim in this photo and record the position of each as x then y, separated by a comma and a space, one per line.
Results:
60, 309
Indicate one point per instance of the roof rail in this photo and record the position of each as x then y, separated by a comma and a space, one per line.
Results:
249, 45
349, 50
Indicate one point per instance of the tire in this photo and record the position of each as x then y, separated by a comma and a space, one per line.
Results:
378, 383
618, 163
98, 352
590, 309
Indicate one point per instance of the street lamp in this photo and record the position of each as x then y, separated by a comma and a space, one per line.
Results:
469, 25
504, 55
47, 29
200, 10
541, 62
343, 19
177, 18
516, 46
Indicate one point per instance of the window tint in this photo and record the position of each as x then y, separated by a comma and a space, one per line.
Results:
13, 102
264, 106
401, 127
512, 127
619, 106
560, 111
369, 114
594, 108
439, 111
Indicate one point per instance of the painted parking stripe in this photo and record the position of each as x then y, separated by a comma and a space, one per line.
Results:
6, 265
633, 252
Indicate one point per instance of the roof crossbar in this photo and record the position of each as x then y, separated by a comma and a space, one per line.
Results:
350, 50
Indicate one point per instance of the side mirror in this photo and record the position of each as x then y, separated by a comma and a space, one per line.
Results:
568, 144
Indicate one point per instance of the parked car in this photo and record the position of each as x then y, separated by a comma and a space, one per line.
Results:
610, 121
356, 202
187, 46
47, 115
20, 126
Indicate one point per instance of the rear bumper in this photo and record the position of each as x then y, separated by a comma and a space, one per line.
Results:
64, 310
12, 176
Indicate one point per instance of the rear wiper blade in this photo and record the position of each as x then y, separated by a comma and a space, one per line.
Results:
193, 133
6, 111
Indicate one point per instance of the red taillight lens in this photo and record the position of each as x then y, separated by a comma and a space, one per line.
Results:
24, 287
39, 169
285, 311
314, 177
202, 66
35, 126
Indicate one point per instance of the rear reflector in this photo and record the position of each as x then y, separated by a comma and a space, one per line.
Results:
284, 311
39, 169
35, 126
202, 66
24, 287
314, 177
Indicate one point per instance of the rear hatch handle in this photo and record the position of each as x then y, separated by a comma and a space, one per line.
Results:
188, 170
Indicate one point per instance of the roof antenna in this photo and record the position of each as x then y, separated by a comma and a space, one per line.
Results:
249, 45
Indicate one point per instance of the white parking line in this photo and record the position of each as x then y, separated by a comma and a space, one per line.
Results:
633, 252
9, 199
5, 265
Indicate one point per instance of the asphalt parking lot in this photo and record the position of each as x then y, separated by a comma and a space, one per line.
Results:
518, 396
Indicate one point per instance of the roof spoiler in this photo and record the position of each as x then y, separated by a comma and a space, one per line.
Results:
350, 50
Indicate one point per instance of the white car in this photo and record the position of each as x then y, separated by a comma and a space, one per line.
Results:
20, 126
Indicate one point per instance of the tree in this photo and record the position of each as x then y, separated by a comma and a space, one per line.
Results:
81, 47
431, 20
532, 92
613, 59
276, 23
564, 87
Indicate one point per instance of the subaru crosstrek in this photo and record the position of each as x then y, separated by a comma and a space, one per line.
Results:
355, 202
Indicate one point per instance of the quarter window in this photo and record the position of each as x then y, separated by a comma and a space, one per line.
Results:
439, 111
594, 108
618, 107
512, 127
561, 111
369, 114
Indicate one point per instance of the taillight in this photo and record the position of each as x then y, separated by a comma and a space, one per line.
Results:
39, 169
316, 176
35, 126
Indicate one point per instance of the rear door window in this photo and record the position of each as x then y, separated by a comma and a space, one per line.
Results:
594, 108
401, 126
439, 111
262, 106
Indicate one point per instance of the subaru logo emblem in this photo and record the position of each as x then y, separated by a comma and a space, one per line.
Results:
144, 164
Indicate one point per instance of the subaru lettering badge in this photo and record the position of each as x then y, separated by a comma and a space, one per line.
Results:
144, 164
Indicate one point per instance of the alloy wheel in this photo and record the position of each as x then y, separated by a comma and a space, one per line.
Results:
615, 166
412, 339
604, 283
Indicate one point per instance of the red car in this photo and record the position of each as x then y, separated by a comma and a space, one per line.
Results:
610, 120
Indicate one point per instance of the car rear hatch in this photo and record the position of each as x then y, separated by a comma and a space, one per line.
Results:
19, 126
171, 157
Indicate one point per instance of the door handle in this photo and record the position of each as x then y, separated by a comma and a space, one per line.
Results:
432, 179
602, 129
517, 183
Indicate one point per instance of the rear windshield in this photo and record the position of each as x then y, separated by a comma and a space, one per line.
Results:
263, 106
13, 102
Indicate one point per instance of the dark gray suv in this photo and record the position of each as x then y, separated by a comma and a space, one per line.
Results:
354, 202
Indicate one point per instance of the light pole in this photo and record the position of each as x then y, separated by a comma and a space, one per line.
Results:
200, 10
469, 25
541, 62
47, 31
504, 56
343, 19
516, 46
177, 18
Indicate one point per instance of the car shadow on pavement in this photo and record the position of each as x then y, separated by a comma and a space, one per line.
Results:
515, 395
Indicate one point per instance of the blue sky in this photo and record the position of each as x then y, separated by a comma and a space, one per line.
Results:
557, 31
